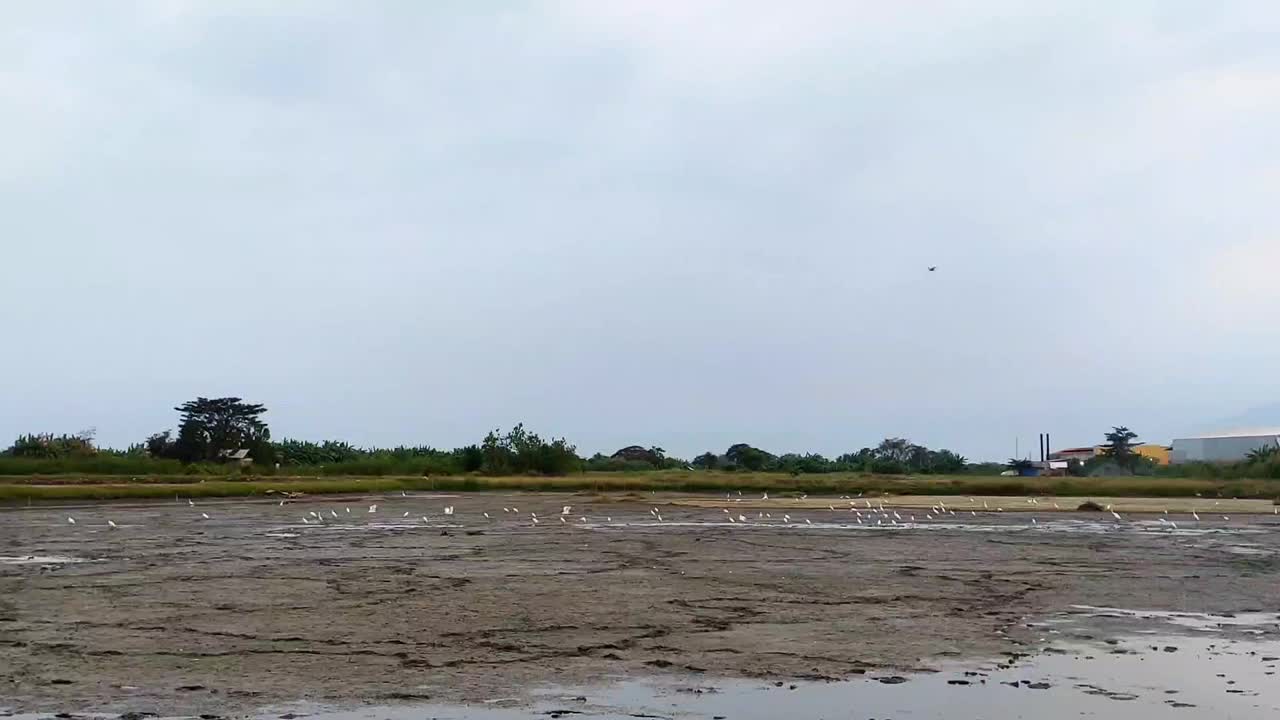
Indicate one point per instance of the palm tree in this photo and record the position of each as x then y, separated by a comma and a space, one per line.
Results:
1264, 453
1119, 446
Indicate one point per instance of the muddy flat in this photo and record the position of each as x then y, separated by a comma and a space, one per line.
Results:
324, 602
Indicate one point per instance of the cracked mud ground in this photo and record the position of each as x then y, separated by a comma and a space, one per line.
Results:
182, 614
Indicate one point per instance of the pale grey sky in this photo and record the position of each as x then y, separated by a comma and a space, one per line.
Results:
642, 221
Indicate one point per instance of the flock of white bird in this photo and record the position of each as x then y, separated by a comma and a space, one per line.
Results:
867, 513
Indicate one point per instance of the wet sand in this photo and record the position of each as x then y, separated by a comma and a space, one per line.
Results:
176, 614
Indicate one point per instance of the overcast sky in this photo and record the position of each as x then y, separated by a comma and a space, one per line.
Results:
639, 221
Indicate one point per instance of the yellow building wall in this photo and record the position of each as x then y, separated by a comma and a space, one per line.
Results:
1161, 454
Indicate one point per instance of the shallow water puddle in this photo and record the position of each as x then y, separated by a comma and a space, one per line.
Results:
1136, 678
40, 560
1091, 527
1256, 622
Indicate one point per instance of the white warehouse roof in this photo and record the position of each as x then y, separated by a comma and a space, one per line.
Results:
1247, 433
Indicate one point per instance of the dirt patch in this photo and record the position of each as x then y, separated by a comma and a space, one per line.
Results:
252, 606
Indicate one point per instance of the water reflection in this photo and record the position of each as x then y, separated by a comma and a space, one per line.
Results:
1140, 678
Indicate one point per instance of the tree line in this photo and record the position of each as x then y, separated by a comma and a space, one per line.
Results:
212, 432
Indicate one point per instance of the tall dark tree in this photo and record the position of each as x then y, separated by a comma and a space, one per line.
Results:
1119, 447
747, 457
211, 426
161, 445
706, 461
946, 461
520, 451
860, 460
471, 457
898, 450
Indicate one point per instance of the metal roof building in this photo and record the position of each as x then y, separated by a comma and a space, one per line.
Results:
1224, 447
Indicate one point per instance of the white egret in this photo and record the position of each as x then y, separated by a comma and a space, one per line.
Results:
565, 510
448, 510
71, 520
204, 515
111, 523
